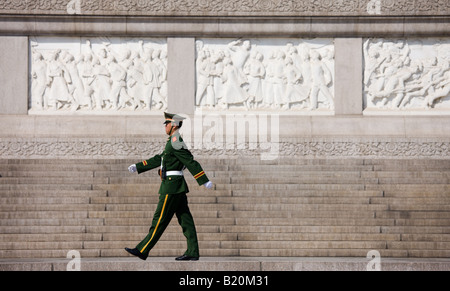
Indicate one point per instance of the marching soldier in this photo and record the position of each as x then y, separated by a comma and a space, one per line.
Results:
172, 200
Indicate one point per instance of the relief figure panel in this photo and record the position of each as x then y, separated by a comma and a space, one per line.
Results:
407, 74
265, 74
97, 75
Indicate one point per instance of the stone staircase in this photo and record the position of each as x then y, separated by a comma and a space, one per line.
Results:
289, 207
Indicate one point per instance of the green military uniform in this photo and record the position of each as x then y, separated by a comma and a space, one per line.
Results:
173, 189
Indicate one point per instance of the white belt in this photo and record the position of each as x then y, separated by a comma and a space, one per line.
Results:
174, 173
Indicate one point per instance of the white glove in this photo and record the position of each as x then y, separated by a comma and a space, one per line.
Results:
208, 185
132, 168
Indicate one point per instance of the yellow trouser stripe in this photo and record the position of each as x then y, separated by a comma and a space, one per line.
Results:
159, 220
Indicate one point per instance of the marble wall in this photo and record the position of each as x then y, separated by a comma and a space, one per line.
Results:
351, 78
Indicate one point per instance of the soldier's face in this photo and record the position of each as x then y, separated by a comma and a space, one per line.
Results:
169, 128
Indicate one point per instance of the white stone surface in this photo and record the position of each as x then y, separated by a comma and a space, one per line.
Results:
13, 75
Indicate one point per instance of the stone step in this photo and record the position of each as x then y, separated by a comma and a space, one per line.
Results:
317, 237
39, 173
410, 200
413, 214
168, 236
253, 171
42, 187
314, 222
50, 237
152, 207
198, 221
296, 168
61, 214
409, 188
296, 186
149, 200
48, 208
419, 174
46, 245
164, 245
42, 222
301, 180
297, 214
310, 207
280, 245
45, 200
295, 200
42, 229
144, 227
418, 245
41, 254
230, 264
416, 229
53, 180
51, 193
426, 237
147, 214
252, 252
195, 192
305, 193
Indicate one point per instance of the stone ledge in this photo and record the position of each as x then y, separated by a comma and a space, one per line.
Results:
227, 264
307, 26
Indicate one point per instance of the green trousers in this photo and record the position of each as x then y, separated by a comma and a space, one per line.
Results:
168, 205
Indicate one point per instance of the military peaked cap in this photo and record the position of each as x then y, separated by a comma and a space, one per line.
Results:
174, 118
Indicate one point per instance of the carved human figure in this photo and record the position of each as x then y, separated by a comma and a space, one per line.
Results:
76, 88
205, 95
255, 71
57, 79
233, 92
321, 78
440, 90
294, 93
88, 77
118, 93
39, 81
241, 52
152, 77
278, 80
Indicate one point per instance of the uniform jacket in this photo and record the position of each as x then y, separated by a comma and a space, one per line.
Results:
175, 157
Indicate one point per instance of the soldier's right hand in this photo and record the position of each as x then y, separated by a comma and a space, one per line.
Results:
132, 168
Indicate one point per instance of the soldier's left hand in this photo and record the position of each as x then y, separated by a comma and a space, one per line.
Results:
132, 168
208, 185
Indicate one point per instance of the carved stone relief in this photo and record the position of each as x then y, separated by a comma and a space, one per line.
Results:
114, 148
98, 74
228, 8
276, 74
407, 74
